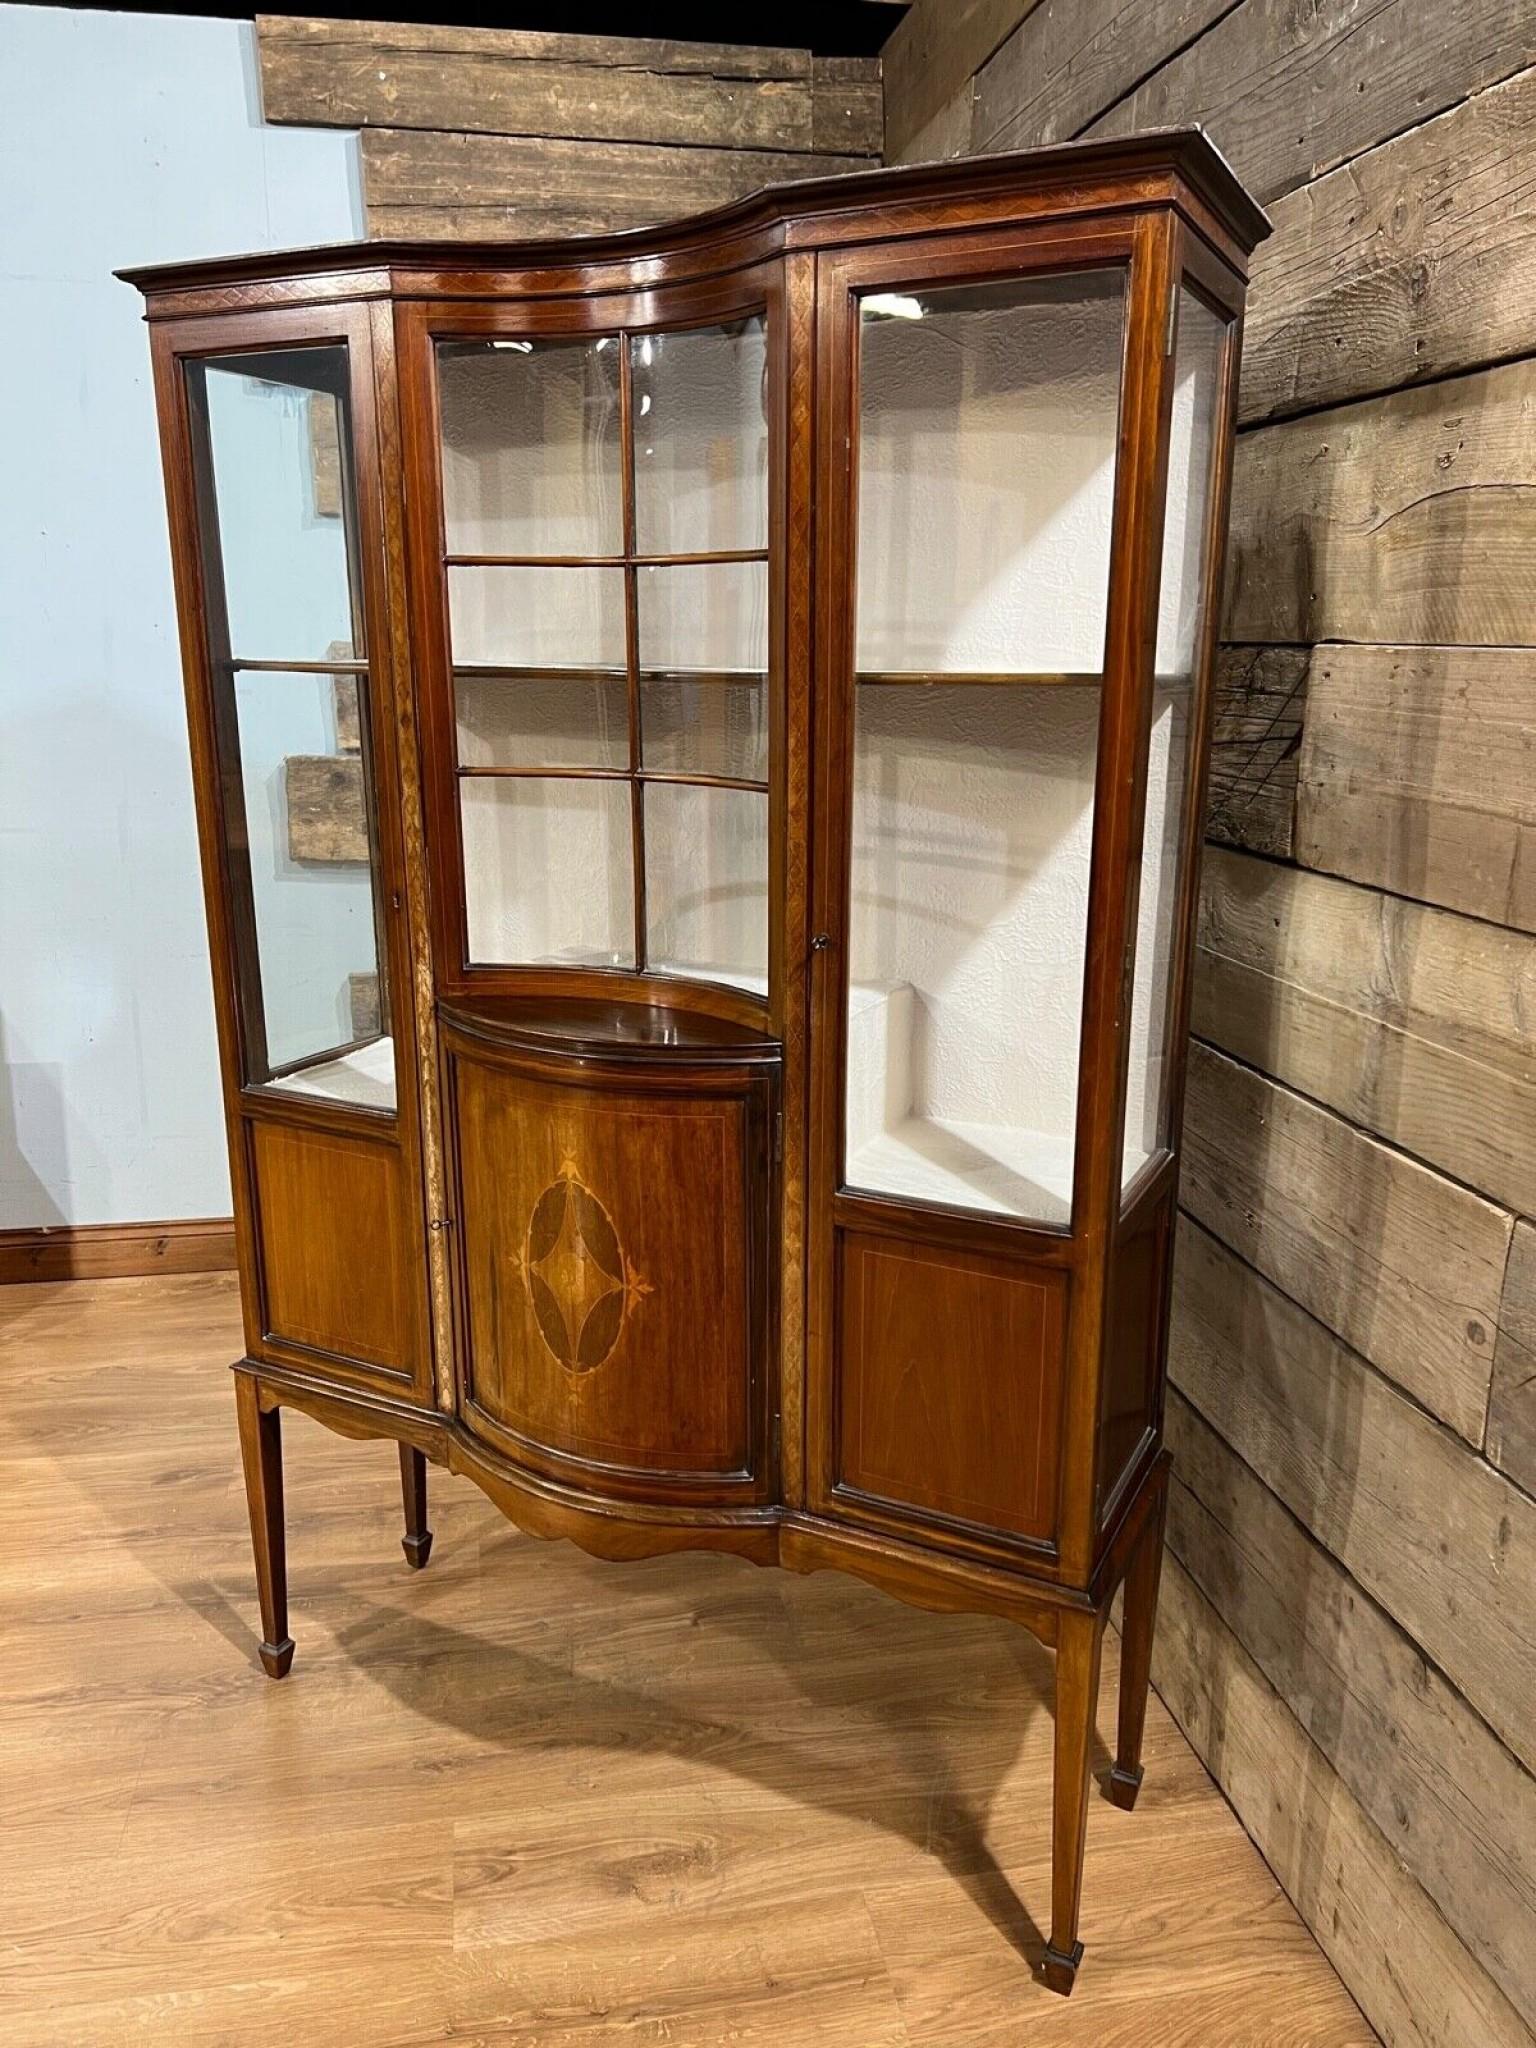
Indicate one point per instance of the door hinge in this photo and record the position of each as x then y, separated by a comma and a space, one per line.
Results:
778, 1135
1173, 322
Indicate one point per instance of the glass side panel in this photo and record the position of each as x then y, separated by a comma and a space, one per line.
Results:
273, 467
548, 870
275, 437
987, 434
536, 618
703, 728
542, 721
1198, 362
972, 835
706, 859
531, 446
306, 827
708, 616
701, 439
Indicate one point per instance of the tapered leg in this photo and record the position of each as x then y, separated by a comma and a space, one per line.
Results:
1077, 1691
1136, 1627
417, 1540
261, 1453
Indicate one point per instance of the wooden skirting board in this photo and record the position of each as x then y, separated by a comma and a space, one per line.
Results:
117, 1251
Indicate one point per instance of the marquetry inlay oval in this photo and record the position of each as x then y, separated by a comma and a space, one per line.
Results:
580, 1283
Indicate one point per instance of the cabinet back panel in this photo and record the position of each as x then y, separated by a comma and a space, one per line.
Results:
609, 1271
949, 1384
339, 1245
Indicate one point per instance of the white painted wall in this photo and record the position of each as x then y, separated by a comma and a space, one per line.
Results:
124, 138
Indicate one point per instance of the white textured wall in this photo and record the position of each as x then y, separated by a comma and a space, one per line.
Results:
124, 139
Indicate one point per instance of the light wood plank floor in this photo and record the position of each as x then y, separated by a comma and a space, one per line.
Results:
523, 1797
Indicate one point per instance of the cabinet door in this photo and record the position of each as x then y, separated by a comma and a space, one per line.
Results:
972, 448
272, 446
613, 1274
601, 641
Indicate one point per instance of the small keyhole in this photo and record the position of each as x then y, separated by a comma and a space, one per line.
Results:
820, 942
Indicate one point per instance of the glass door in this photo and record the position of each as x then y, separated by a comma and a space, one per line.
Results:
987, 426
605, 548
277, 511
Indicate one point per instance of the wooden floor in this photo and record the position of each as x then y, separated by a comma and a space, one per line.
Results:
524, 1797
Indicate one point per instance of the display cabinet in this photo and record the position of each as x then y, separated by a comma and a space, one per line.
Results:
700, 745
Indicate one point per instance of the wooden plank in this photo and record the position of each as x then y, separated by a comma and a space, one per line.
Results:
1407, 1267
1289, 91
1413, 1022
1418, 774
1512, 1406
847, 107
1070, 60
1414, 1980
504, 186
1416, 260
348, 40
1454, 1804
360, 74
947, 133
1261, 696
1444, 1542
1409, 519
934, 51
323, 797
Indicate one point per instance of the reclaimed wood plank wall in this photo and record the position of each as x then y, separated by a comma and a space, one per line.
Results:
1350, 1604
494, 133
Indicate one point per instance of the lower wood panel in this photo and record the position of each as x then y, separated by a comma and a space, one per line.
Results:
340, 1246
949, 1384
112, 1251
612, 1265
526, 1797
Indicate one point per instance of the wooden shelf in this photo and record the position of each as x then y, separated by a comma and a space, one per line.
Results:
697, 559
494, 672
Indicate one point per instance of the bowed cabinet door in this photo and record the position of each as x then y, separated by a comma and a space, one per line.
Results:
613, 1278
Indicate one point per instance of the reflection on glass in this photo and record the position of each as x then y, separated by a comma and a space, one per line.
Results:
312, 887
972, 833
709, 616
537, 618
701, 439
542, 722
706, 856
275, 434
1181, 611
547, 870
709, 728
531, 446
987, 432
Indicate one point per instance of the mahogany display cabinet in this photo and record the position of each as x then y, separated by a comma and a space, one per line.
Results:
699, 739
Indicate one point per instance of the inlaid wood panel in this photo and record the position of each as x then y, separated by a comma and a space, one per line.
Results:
338, 1246
949, 1384
611, 1273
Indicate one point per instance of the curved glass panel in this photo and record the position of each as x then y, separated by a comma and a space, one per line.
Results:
531, 446
1183, 601
988, 427
606, 526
